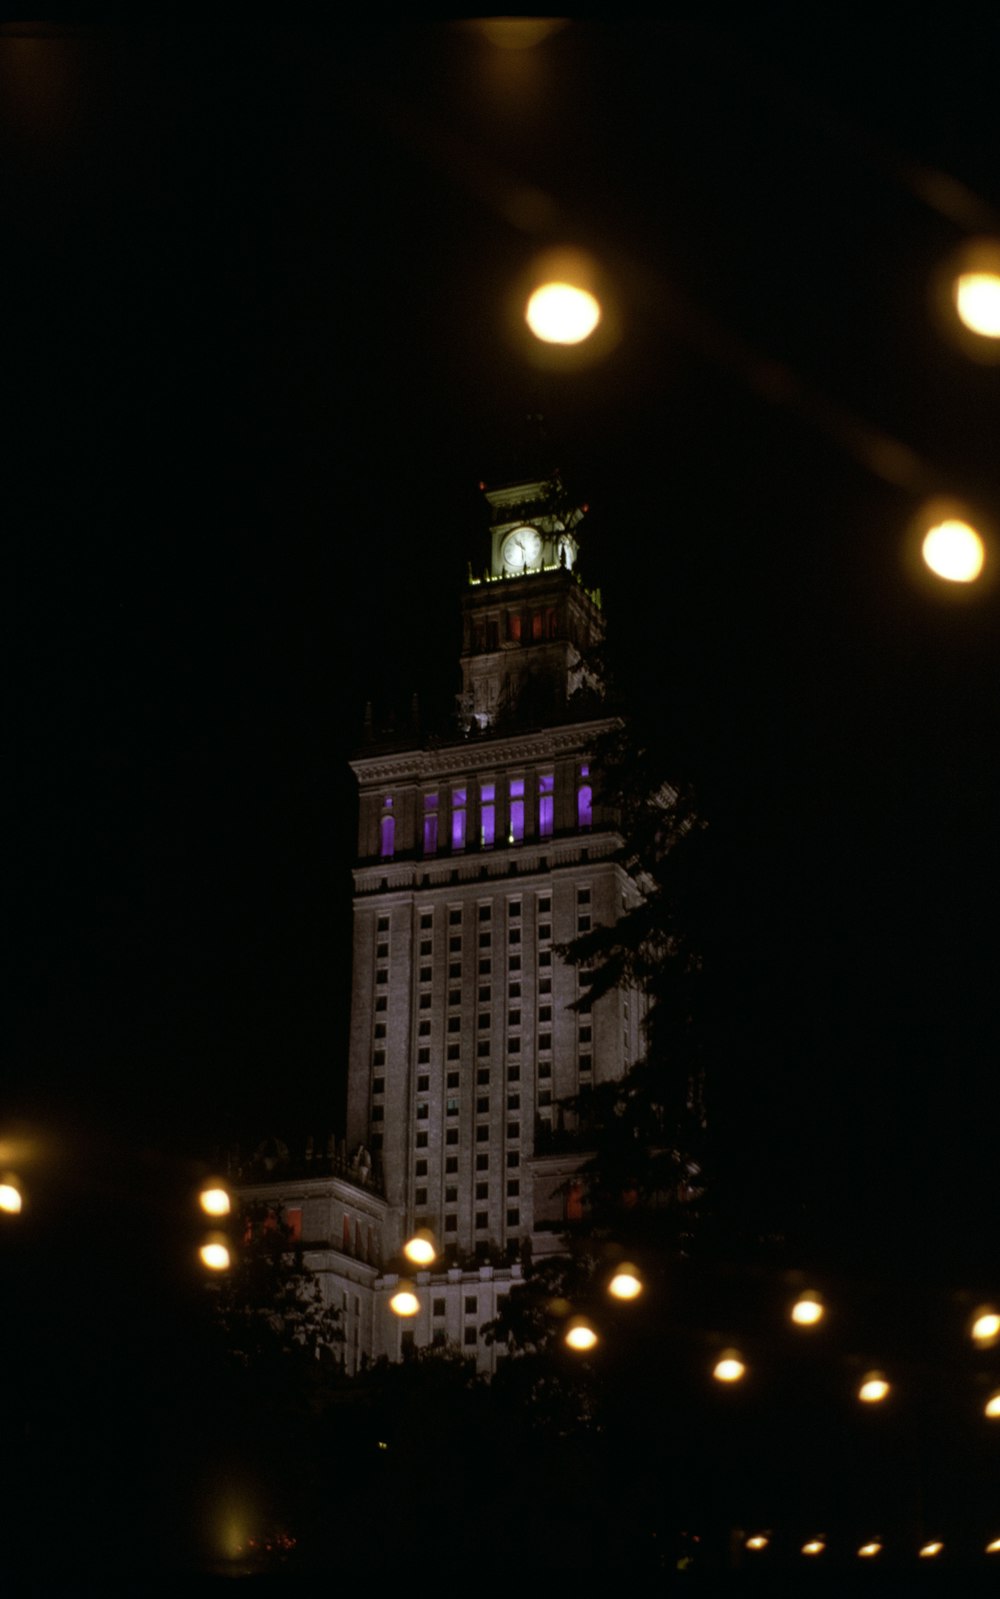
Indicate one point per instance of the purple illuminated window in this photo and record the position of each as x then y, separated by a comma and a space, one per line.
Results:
546, 784
583, 805
387, 837
430, 824
487, 814
516, 810
458, 818
585, 770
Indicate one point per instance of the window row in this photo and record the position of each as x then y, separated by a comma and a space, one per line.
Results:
496, 805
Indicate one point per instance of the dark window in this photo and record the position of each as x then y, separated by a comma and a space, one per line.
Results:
485, 940
483, 1047
545, 1040
514, 991
421, 1168
451, 1136
585, 1035
485, 968
545, 1013
382, 952
585, 1063
378, 1113
514, 935
455, 946
514, 963
513, 1218
423, 1055
454, 996
482, 1190
451, 1196
513, 1158
545, 985
482, 1162
381, 1003
471, 1304
485, 994
438, 1338
583, 896
423, 1112
485, 912
513, 1046
482, 1221
583, 924
544, 905
438, 1307
425, 946
482, 1135
483, 1105
513, 1018
451, 1224
423, 1084
513, 1102
545, 958
514, 909
378, 1085
421, 1196
381, 977
483, 1075
426, 973
421, 1140
453, 1051
383, 924
513, 1187
454, 971
452, 1107
426, 920
544, 931
545, 1096
423, 1029
455, 917
425, 1002
513, 1129
484, 1021
454, 1024
378, 1057
470, 1335
451, 1080
545, 1068
451, 1165
514, 1072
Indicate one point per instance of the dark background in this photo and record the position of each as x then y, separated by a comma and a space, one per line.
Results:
259, 354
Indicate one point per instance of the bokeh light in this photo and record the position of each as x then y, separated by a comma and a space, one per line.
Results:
994, 1547
404, 1302
562, 313
759, 1540
580, 1335
985, 1326
808, 1309
214, 1254
953, 550
929, 1550
815, 1546
214, 1200
977, 301
867, 1550
992, 1405
10, 1195
626, 1283
729, 1368
421, 1248
873, 1389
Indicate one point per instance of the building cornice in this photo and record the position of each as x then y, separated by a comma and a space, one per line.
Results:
481, 755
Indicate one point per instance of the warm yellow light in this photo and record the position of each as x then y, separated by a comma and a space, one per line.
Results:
985, 1327
758, 1541
561, 313
730, 1368
994, 1547
929, 1550
10, 1198
626, 1283
404, 1301
953, 550
977, 301
808, 1310
580, 1335
214, 1255
873, 1388
421, 1248
815, 1546
868, 1549
992, 1405
214, 1201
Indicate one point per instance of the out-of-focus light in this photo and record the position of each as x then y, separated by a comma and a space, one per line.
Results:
580, 1335
215, 1255
626, 1283
214, 1200
929, 1550
954, 550
10, 1196
994, 1547
992, 1405
729, 1368
517, 33
977, 301
421, 1248
404, 1301
867, 1550
985, 1326
815, 1546
562, 313
808, 1309
873, 1389
759, 1540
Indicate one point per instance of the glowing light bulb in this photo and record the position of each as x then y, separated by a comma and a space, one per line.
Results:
873, 1389
992, 1405
929, 1550
10, 1197
561, 313
815, 1546
421, 1248
730, 1368
954, 551
985, 1327
404, 1301
214, 1200
626, 1283
808, 1309
758, 1541
215, 1255
977, 301
868, 1549
580, 1335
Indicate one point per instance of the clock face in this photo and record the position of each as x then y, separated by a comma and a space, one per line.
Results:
522, 548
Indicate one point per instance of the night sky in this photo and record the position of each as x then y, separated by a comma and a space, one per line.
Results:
258, 355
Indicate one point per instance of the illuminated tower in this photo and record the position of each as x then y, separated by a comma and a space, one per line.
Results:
477, 858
